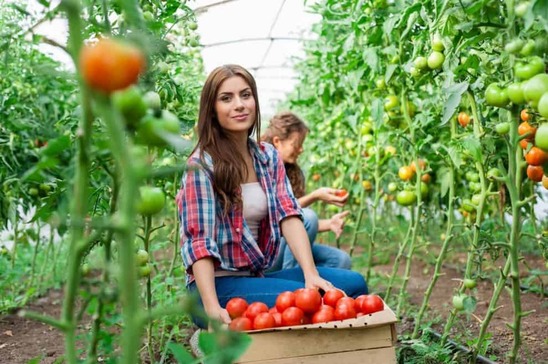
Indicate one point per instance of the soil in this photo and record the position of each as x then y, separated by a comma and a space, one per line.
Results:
23, 339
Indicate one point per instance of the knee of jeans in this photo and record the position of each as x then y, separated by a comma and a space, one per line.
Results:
345, 262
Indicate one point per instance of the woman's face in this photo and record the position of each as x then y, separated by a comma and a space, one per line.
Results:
290, 148
235, 105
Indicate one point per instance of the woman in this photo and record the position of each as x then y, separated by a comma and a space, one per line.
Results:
287, 133
235, 204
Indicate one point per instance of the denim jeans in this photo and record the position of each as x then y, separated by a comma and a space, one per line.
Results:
266, 289
324, 255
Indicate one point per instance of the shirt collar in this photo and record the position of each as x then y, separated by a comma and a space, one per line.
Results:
257, 150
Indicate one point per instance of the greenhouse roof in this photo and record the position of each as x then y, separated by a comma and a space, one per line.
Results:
264, 36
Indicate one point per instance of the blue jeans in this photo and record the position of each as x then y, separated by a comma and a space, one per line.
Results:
266, 289
324, 255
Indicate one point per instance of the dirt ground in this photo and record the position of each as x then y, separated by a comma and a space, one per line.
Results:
23, 339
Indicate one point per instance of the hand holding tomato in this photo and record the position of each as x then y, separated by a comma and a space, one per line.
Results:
317, 282
331, 196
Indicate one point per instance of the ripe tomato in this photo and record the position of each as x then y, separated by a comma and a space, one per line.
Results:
541, 137
358, 301
535, 173
292, 316
371, 303
524, 115
308, 300
463, 119
285, 300
264, 320
151, 200
422, 165
331, 297
236, 307
241, 324
277, 318
340, 193
523, 143
316, 177
536, 157
405, 173
426, 178
345, 309
324, 314
526, 128
110, 65
254, 309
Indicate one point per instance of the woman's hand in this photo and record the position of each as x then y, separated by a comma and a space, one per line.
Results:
218, 313
317, 282
331, 196
336, 223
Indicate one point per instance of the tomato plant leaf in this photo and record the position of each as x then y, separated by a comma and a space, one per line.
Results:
376, 112
180, 354
444, 178
540, 10
473, 146
389, 72
455, 92
469, 304
371, 58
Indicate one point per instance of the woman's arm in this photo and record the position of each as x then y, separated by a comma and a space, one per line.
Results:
325, 194
295, 234
205, 281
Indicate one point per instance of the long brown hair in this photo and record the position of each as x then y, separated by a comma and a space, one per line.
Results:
229, 169
282, 125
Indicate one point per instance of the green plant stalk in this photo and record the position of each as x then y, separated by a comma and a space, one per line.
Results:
15, 239
148, 229
46, 263
441, 257
361, 208
397, 259
125, 234
35, 255
175, 234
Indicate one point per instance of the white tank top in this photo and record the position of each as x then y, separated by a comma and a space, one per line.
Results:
255, 206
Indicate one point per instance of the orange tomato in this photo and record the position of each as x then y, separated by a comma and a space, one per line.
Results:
109, 65
523, 143
340, 193
426, 178
535, 173
524, 115
316, 177
526, 128
463, 119
422, 164
536, 157
406, 173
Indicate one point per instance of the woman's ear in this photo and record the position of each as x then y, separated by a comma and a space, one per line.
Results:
276, 141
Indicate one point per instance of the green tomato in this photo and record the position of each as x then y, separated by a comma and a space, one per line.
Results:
380, 83
414, 72
474, 187
469, 283
152, 100
543, 105
521, 9
392, 187
534, 88
163, 67
151, 130
145, 271
33, 191
515, 93
541, 137
192, 25
526, 70
514, 46
502, 128
472, 176
148, 16
467, 205
435, 60
476, 199
424, 190
151, 200
458, 302
406, 198
85, 270
496, 96
391, 102
420, 63
528, 49
131, 105
437, 43
494, 173
141, 257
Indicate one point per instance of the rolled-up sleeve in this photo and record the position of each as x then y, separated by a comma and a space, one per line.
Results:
196, 201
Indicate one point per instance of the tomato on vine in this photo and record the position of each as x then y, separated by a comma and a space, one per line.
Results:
496, 96
464, 119
109, 64
151, 200
541, 137
535, 173
524, 115
435, 60
536, 157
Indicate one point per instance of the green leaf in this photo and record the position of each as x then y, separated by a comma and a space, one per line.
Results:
180, 354
411, 22
454, 154
453, 100
469, 304
444, 179
473, 146
389, 72
377, 112
35, 360
371, 58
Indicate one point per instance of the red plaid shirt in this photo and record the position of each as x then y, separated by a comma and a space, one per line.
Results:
205, 232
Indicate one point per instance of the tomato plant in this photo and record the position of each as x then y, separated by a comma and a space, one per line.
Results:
151, 200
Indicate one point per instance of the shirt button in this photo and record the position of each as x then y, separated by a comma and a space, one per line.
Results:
237, 230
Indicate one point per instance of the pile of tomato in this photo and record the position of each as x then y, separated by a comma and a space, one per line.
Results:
301, 307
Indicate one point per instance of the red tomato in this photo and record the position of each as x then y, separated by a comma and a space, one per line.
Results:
358, 302
331, 297
345, 310
264, 320
372, 303
285, 300
526, 128
536, 156
348, 301
240, 324
535, 173
308, 300
111, 65
292, 316
324, 314
273, 310
254, 309
341, 193
277, 318
236, 307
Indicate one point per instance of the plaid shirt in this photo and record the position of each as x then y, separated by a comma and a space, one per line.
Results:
205, 232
